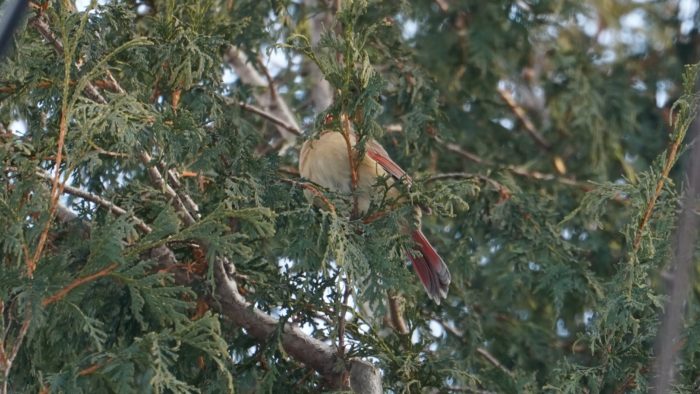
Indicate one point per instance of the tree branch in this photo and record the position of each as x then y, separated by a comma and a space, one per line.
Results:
668, 338
78, 282
270, 103
671, 155
292, 128
311, 351
109, 205
524, 119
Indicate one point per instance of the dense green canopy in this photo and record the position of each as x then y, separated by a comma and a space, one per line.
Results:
149, 147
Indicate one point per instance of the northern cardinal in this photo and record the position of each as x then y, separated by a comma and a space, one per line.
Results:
324, 161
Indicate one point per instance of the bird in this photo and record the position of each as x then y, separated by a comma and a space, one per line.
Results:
324, 161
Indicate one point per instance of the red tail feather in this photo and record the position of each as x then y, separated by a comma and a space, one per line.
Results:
431, 270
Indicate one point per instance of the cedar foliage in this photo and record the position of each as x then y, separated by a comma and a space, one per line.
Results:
539, 233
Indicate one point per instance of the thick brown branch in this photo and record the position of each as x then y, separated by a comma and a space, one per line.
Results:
360, 375
310, 351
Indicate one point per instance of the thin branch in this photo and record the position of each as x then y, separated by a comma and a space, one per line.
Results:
93, 93
55, 186
481, 351
669, 341
78, 282
524, 119
347, 135
158, 180
341, 317
270, 81
516, 170
277, 107
90, 370
109, 205
8, 359
269, 116
313, 190
671, 155
454, 148
396, 315
494, 361
187, 201
41, 25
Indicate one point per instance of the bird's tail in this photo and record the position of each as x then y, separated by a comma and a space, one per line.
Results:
430, 267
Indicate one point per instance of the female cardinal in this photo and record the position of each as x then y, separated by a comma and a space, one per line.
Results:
324, 161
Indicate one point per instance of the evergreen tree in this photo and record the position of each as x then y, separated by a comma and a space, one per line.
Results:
156, 238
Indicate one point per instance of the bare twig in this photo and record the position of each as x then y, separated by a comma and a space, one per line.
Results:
109, 205
90, 370
452, 147
292, 128
187, 201
516, 170
78, 282
481, 351
494, 361
158, 180
270, 81
524, 119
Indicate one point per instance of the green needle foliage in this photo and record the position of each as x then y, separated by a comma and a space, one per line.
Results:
545, 137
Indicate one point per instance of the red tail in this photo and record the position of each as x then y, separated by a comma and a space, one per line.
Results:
431, 270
